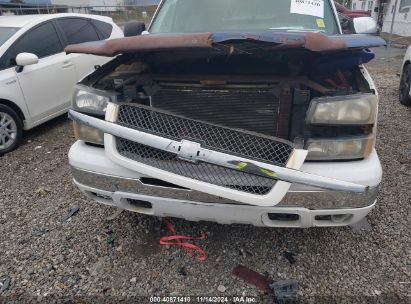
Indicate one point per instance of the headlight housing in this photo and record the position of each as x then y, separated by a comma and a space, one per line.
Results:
88, 134
92, 101
357, 109
340, 148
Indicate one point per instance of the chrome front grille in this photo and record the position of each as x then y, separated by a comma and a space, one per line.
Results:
235, 142
242, 143
208, 173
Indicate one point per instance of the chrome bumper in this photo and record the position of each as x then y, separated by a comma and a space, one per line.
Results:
313, 200
197, 153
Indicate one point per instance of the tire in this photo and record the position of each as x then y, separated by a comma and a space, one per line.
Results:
11, 129
405, 86
134, 28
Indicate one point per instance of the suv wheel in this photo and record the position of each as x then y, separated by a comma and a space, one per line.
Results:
11, 128
405, 86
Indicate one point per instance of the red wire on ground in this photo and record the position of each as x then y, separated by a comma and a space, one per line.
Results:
175, 239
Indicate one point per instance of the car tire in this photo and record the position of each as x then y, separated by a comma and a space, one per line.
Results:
134, 28
405, 86
11, 128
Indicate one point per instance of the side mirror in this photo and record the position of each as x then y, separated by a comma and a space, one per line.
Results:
347, 24
365, 25
134, 28
24, 59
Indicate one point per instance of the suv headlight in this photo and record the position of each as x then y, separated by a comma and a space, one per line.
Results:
88, 134
340, 148
92, 101
357, 109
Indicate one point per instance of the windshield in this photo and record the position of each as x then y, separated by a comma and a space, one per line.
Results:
190, 16
6, 33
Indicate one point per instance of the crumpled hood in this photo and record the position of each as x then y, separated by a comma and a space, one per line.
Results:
228, 42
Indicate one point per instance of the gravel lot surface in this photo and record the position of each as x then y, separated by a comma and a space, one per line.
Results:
93, 257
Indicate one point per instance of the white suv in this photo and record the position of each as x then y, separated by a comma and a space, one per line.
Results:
36, 75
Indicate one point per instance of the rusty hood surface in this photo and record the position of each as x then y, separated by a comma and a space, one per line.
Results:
227, 42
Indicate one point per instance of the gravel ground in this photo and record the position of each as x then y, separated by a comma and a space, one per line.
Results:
94, 257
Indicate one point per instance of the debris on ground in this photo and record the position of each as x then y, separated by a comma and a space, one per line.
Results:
5, 285
179, 240
133, 280
221, 288
97, 267
154, 275
111, 238
285, 291
290, 257
252, 277
183, 271
114, 215
42, 192
405, 154
61, 286
73, 211
244, 252
361, 227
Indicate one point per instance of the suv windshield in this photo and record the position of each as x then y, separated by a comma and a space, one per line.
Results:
6, 33
184, 16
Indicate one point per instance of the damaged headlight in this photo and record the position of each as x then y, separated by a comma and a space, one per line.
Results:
88, 134
358, 109
92, 101
340, 149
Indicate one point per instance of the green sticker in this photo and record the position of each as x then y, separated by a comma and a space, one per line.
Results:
241, 166
320, 23
269, 173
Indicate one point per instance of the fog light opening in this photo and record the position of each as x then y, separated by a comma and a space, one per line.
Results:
102, 196
323, 218
284, 217
139, 204
334, 218
341, 218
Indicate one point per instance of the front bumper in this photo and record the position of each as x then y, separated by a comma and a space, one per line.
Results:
108, 183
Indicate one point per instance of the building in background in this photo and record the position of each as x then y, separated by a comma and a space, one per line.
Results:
25, 7
371, 6
77, 3
402, 23
383, 11
97, 5
141, 2
25, 2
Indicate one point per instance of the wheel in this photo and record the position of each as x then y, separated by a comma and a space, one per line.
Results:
11, 128
134, 28
405, 86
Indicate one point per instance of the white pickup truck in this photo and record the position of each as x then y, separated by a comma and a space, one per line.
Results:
233, 111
